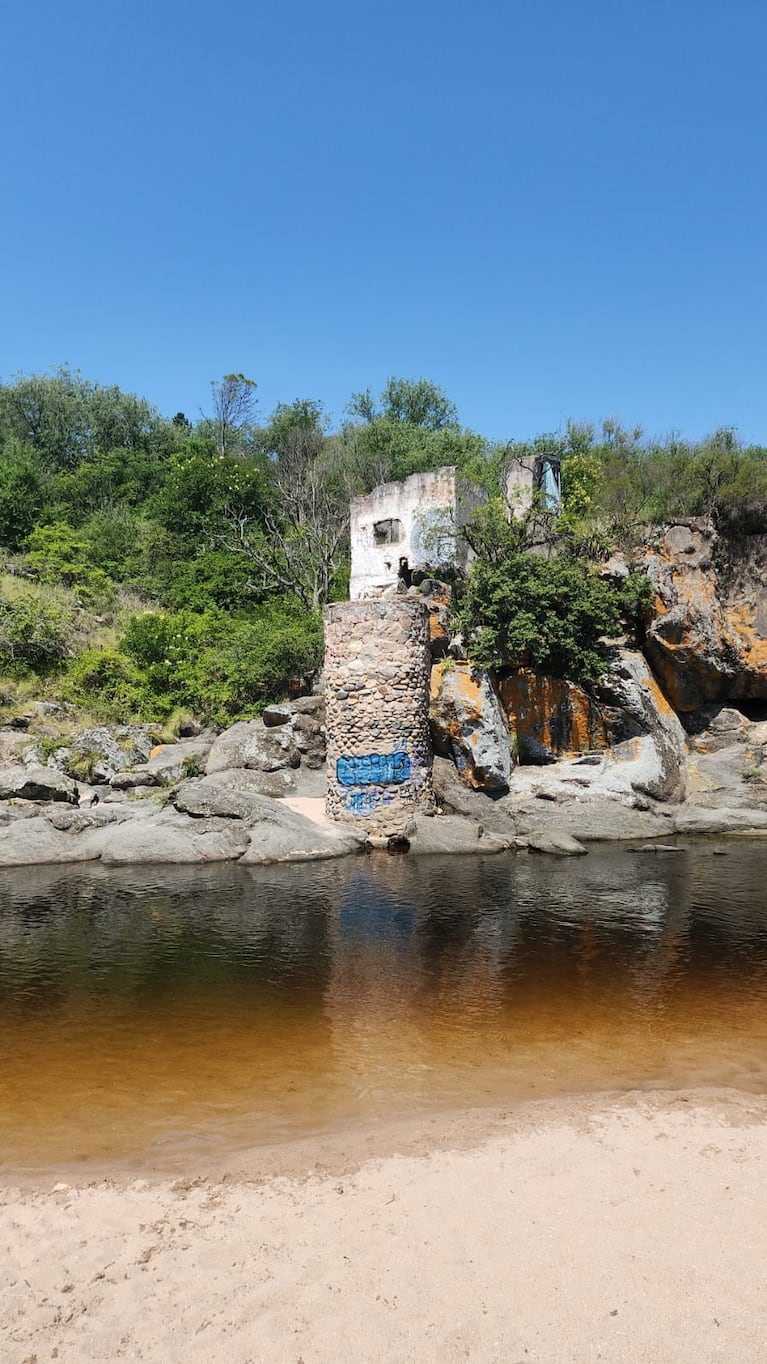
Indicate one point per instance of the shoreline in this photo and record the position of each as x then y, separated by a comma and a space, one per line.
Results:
344, 1145
622, 1226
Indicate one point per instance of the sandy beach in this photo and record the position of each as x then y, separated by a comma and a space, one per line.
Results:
612, 1227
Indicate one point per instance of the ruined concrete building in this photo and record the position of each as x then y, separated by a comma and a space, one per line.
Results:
410, 525
527, 475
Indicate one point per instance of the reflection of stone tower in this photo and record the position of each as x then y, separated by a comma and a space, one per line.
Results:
377, 665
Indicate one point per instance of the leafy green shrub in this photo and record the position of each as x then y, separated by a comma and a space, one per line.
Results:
110, 682
221, 667
33, 634
149, 638
214, 577
265, 659
22, 493
58, 554
549, 614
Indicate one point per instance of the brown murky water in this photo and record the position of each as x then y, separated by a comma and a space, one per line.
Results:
146, 1014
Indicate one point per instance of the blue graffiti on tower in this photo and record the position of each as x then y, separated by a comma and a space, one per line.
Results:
374, 769
361, 802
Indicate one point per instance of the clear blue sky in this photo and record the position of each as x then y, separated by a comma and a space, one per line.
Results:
550, 208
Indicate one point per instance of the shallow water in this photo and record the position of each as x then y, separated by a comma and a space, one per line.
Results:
150, 1013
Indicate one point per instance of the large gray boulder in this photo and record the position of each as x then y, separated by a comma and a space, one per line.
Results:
35, 782
449, 834
32, 842
697, 820
171, 837
454, 795
728, 777
468, 725
226, 795
656, 756
555, 842
248, 780
284, 835
252, 744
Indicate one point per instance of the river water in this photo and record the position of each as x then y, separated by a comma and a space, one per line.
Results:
150, 1013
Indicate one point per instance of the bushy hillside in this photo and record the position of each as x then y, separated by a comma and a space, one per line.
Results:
154, 566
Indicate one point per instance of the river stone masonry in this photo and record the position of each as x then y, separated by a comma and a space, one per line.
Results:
377, 666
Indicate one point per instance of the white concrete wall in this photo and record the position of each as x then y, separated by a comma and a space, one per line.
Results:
520, 485
431, 508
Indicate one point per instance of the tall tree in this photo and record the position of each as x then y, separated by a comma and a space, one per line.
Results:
300, 544
234, 406
67, 418
418, 402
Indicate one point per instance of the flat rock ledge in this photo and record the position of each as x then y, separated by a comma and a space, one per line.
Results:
222, 817
225, 817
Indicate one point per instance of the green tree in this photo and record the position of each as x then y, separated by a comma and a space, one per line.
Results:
67, 418
22, 493
521, 609
417, 402
234, 406
301, 541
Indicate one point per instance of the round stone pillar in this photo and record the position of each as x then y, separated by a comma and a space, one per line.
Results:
377, 666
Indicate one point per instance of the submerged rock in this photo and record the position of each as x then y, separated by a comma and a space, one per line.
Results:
556, 843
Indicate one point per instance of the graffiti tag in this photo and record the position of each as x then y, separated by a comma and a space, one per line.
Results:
374, 769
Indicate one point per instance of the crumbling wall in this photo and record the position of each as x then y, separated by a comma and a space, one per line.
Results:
377, 665
527, 475
416, 522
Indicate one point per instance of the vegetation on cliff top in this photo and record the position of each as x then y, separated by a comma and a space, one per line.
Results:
155, 563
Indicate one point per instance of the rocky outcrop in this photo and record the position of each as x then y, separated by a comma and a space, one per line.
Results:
707, 634
304, 719
450, 834
171, 837
728, 760
284, 835
252, 744
37, 842
658, 750
167, 763
215, 819
35, 782
437, 597
467, 725
550, 717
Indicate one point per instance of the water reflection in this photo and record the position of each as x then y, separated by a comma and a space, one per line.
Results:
159, 1008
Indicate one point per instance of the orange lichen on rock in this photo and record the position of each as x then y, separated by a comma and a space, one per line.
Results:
552, 712
468, 725
659, 700
706, 632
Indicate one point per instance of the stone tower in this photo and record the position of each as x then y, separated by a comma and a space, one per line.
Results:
377, 666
